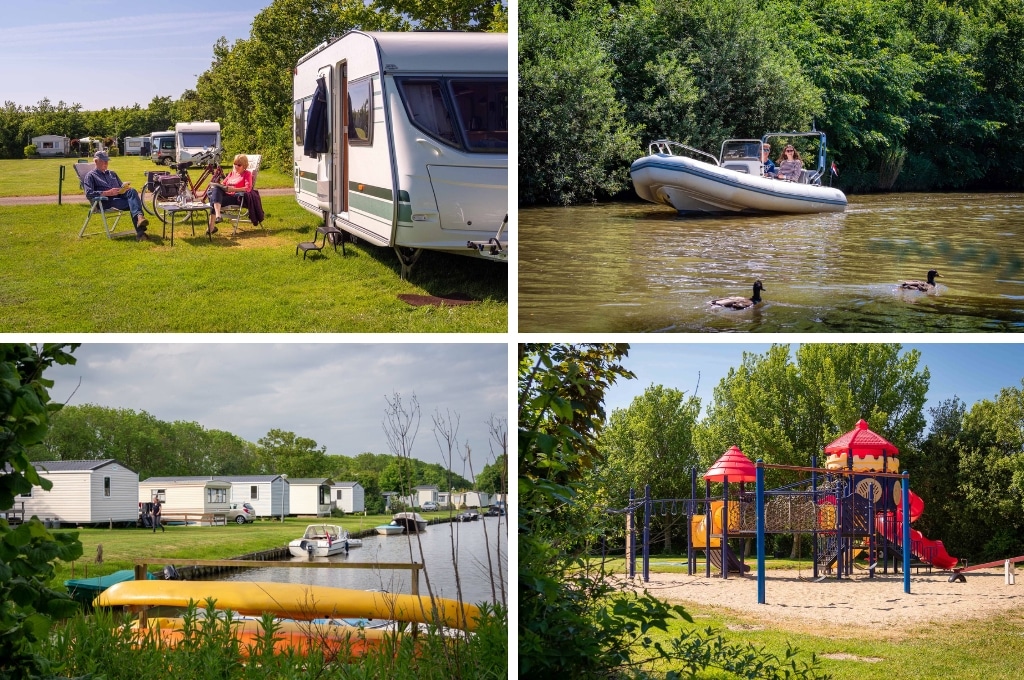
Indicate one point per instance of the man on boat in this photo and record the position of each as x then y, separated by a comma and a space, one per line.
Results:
769, 166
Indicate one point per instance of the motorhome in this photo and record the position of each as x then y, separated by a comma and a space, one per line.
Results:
161, 148
193, 138
412, 152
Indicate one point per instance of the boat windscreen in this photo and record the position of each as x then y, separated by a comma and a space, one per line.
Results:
741, 149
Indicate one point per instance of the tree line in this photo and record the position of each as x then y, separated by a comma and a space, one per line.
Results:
157, 448
248, 86
914, 95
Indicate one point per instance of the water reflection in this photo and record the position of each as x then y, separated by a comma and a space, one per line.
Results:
470, 542
638, 267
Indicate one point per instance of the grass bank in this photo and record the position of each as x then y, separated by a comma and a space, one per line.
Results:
121, 547
41, 176
986, 648
52, 281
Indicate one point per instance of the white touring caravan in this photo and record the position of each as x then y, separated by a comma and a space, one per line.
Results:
401, 139
193, 138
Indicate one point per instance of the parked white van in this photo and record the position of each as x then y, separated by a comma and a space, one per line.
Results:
414, 154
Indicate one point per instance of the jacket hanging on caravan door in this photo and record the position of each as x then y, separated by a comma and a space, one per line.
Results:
316, 141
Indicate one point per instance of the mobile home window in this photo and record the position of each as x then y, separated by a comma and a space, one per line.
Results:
106, 487
360, 112
160, 494
254, 492
198, 139
299, 111
425, 104
339, 494
216, 495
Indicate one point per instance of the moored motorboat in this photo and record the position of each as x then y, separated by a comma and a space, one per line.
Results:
321, 540
734, 182
85, 590
468, 516
390, 529
410, 521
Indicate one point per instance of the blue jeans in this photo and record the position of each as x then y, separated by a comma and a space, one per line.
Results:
129, 201
218, 195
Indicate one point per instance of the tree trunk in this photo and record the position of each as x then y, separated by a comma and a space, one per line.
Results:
795, 552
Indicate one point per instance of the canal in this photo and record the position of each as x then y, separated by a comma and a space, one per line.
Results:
638, 267
441, 548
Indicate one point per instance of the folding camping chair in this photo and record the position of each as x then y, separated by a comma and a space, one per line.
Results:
240, 212
99, 205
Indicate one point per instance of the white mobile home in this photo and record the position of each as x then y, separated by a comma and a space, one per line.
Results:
52, 145
267, 494
422, 494
409, 149
309, 496
192, 495
348, 496
84, 492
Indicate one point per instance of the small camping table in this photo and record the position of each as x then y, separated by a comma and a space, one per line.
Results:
189, 208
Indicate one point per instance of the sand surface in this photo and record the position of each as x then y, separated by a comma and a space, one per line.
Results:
794, 600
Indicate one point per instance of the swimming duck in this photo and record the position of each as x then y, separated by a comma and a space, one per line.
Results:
741, 302
924, 286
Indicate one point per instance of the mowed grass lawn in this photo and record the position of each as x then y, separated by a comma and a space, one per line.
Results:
53, 281
41, 176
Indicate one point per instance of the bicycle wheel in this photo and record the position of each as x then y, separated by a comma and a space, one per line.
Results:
156, 203
146, 196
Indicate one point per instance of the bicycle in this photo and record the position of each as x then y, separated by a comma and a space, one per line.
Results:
179, 187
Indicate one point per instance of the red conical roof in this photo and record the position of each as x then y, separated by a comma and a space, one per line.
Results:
734, 465
862, 442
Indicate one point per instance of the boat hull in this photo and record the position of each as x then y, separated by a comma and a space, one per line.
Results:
692, 186
292, 600
304, 547
411, 522
390, 529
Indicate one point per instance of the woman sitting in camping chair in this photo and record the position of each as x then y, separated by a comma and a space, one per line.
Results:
230, 190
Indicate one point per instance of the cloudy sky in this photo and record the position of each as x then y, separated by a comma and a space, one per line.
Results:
104, 53
331, 393
971, 371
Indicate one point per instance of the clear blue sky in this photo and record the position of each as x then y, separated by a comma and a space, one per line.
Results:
970, 371
103, 53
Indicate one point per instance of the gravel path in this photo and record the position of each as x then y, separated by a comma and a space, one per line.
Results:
794, 600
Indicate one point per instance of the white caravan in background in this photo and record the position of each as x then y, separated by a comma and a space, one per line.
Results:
416, 151
191, 139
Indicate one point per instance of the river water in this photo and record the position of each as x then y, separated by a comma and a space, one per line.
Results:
472, 545
639, 267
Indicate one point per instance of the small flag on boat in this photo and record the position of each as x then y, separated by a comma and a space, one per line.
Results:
835, 170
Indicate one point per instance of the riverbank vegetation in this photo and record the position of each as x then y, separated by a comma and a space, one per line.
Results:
578, 462
914, 95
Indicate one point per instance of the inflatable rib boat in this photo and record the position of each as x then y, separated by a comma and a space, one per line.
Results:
733, 183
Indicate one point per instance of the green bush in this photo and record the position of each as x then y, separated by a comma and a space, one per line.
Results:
113, 151
31, 150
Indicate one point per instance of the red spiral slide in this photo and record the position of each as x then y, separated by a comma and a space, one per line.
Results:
925, 549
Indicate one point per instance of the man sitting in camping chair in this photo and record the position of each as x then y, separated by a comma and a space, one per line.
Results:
105, 184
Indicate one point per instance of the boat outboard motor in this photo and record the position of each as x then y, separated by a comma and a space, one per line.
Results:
310, 546
171, 574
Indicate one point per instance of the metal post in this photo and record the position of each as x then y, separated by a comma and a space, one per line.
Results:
871, 534
691, 554
648, 506
906, 532
814, 504
631, 548
707, 528
725, 526
759, 491
60, 186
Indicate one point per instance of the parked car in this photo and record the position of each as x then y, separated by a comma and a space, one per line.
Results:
429, 506
241, 513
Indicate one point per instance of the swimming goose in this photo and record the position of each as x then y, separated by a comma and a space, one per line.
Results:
922, 285
741, 302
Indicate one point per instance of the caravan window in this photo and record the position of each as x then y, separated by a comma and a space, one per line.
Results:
482, 106
198, 139
106, 486
477, 122
424, 101
360, 112
299, 111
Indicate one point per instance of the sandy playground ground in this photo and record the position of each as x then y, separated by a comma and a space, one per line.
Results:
794, 600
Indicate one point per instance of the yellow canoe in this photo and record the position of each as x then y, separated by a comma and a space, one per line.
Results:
292, 601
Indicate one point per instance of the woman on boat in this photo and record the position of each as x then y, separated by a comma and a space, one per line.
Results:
790, 166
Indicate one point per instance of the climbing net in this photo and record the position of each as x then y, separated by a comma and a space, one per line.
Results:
796, 511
